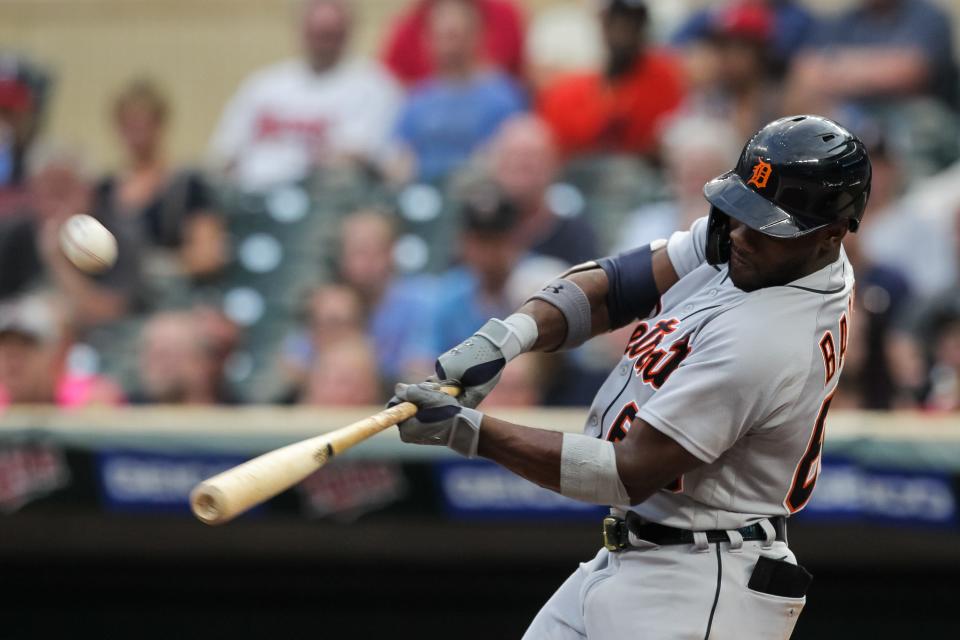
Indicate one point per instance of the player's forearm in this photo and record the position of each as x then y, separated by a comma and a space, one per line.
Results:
531, 453
594, 468
551, 323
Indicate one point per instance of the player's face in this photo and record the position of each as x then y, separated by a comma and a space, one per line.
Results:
758, 260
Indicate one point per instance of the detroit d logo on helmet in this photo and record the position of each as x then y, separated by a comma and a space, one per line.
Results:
761, 174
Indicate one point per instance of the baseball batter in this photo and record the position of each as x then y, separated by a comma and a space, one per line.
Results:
707, 435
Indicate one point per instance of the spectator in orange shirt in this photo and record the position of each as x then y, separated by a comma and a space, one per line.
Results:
407, 52
617, 110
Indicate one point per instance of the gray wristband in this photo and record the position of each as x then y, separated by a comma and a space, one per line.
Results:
573, 303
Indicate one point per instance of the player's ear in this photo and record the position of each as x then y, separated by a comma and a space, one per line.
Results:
833, 234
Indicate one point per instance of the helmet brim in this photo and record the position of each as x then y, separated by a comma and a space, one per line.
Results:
729, 194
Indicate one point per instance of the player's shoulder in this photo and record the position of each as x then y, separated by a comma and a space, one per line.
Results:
777, 324
772, 325
760, 315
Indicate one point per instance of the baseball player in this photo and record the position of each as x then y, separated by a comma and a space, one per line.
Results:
708, 434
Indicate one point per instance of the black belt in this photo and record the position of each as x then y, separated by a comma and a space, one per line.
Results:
616, 532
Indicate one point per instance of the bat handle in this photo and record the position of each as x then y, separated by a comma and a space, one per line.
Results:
342, 439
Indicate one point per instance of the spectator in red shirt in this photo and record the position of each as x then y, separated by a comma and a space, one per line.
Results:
407, 52
617, 110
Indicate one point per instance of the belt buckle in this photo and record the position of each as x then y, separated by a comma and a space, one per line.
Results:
613, 534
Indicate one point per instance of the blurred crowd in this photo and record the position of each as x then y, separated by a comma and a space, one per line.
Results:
356, 216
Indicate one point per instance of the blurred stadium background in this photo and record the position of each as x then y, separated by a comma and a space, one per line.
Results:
314, 199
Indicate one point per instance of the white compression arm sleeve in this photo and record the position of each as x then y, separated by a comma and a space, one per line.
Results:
588, 471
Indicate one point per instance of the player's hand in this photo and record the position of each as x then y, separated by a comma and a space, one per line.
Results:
475, 365
441, 419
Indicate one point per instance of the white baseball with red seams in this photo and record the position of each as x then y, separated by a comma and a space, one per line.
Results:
87, 244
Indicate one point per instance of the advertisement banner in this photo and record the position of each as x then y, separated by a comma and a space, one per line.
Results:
29, 471
849, 491
147, 481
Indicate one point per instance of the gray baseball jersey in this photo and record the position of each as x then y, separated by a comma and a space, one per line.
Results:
742, 381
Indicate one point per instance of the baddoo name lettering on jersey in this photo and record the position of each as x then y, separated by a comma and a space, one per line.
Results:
652, 364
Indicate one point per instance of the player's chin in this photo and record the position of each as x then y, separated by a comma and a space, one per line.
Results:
742, 276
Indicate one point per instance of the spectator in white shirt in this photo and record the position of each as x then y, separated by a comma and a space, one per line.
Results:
289, 118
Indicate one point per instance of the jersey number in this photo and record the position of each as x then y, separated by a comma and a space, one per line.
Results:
619, 429
620, 426
805, 477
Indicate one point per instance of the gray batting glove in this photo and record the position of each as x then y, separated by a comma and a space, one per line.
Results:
441, 420
475, 364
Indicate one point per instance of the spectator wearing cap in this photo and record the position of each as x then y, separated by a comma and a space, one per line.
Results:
524, 164
410, 57
297, 115
793, 26
33, 360
618, 110
23, 91
166, 210
449, 116
741, 88
477, 288
879, 51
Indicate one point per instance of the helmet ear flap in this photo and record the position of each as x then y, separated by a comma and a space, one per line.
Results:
860, 208
718, 237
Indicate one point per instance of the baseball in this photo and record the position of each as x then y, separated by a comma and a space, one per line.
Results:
88, 244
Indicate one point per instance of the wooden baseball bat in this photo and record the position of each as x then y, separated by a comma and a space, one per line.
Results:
226, 495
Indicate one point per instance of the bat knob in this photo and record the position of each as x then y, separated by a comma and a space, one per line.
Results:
205, 505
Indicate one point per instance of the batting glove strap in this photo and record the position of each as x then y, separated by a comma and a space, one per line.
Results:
465, 433
512, 336
476, 363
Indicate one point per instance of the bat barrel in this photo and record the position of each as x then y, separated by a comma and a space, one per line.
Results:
206, 502
225, 496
